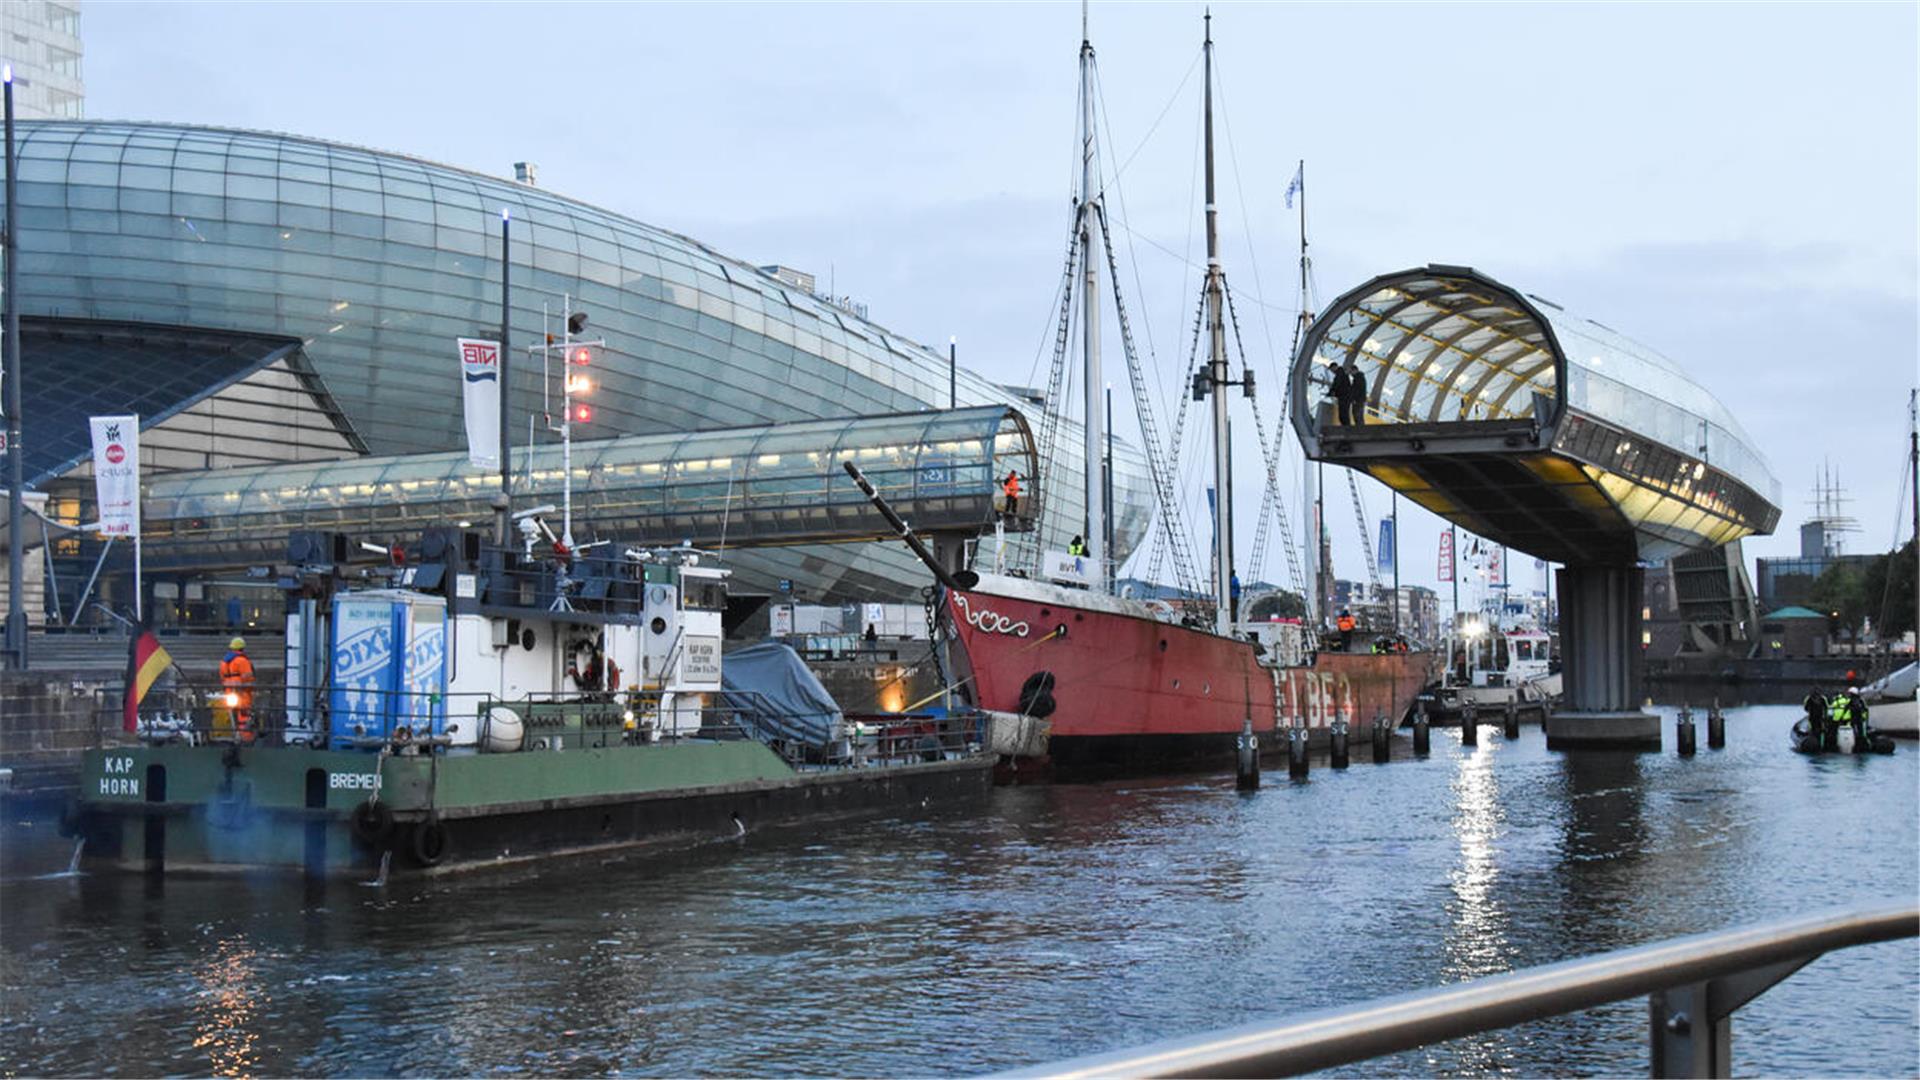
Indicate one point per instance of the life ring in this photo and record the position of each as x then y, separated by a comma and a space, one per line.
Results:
429, 842
1036, 695
372, 822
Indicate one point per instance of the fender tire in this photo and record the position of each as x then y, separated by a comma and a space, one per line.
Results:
1036, 695
372, 822
428, 843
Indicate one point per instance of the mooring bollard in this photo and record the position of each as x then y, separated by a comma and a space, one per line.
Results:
1337, 744
1246, 774
1469, 726
1382, 738
1511, 725
1683, 731
1716, 727
1297, 752
1422, 733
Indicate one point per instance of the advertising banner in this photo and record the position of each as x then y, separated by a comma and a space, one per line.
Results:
1387, 540
1446, 555
116, 473
1496, 567
480, 394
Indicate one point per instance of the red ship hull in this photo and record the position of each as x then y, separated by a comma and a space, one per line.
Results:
1131, 692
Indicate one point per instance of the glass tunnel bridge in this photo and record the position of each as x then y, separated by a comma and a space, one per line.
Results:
778, 484
1551, 434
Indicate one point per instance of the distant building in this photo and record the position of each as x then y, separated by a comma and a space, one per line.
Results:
1793, 632
1419, 612
41, 39
1787, 582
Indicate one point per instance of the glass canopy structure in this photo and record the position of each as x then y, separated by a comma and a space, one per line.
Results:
1550, 433
373, 263
763, 485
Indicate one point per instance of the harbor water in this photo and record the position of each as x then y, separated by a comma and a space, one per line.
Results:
1056, 921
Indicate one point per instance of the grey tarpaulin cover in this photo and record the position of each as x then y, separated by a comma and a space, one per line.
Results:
777, 697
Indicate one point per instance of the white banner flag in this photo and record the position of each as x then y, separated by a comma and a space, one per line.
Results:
480, 391
116, 473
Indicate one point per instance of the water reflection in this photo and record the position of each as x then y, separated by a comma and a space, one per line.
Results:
1478, 923
1477, 919
227, 1008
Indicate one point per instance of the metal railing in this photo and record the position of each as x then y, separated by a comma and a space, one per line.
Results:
1694, 984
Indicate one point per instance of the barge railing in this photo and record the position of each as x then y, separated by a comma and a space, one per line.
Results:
1693, 986
199, 713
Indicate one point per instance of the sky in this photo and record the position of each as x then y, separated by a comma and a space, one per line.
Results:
1733, 185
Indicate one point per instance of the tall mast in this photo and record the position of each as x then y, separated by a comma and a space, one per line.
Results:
1093, 528
1217, 363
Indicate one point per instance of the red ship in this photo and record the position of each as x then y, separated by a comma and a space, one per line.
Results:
1125, 690
1118, 684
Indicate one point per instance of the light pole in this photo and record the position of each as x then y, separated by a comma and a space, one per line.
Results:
16, 468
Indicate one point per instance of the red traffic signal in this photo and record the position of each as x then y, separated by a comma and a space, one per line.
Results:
581, 355
583, 413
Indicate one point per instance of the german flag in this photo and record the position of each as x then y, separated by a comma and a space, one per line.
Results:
146, 662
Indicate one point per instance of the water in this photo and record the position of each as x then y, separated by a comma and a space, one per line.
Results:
1059, 921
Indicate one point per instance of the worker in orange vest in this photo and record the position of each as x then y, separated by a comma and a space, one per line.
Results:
1345, 625
236, 678
1012, 488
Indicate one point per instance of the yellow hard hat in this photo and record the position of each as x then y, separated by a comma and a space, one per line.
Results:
238, 644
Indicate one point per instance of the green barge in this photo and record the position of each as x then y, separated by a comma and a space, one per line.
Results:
459, 705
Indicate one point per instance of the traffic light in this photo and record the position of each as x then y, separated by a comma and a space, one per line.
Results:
583, 413
579, 385
581, 355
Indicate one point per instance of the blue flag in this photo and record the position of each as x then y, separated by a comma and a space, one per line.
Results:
1299, 183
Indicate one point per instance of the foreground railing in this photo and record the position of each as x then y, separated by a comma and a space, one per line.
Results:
1694, 985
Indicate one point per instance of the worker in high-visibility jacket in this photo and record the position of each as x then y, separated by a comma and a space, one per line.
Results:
236, 682
1012, 487
1346, 625
1846, 710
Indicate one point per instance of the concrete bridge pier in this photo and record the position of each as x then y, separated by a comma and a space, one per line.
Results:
1602, 658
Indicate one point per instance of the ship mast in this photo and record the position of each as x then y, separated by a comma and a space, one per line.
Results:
1217, 367
1093, 528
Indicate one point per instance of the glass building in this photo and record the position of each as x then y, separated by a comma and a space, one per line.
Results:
372, 264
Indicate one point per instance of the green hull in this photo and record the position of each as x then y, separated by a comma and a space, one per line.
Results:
179, 808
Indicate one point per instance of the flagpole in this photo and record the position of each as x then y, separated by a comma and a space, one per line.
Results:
501, 522
1396, 563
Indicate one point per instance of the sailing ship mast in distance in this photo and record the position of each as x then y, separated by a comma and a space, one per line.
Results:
1093, 527
1217, 380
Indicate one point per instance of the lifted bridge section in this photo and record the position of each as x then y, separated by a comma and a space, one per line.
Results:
1549, 433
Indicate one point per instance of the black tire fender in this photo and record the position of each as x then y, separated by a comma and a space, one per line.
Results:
1036, 695
372, 822
428, 842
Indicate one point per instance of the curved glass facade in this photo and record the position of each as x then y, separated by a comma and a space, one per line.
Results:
1526, 424
1444, 343
376, 262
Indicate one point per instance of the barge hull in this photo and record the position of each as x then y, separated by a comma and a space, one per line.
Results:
209, 809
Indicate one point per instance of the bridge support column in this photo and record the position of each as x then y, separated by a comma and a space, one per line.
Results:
1601, 662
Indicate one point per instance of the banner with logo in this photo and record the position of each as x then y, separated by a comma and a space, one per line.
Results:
480, 393
116, 473
1446, 555
1387, 540
1496, 567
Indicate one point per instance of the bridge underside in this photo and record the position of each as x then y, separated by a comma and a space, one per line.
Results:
1531, 499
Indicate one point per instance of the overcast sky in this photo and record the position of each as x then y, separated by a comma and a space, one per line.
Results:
1732, 185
